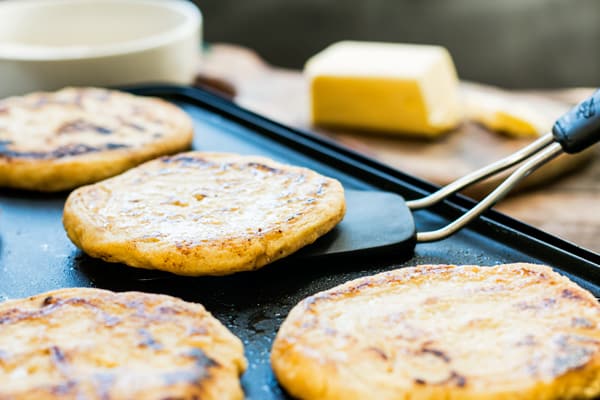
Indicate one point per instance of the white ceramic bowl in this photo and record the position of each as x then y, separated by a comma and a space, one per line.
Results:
49, 44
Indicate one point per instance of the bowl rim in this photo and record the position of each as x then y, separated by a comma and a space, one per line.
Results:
191, 24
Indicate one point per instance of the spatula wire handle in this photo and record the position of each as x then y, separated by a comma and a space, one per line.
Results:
575, 131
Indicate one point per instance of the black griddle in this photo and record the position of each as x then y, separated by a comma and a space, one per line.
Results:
36, 255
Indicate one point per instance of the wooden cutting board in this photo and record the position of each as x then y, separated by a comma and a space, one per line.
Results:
283, 95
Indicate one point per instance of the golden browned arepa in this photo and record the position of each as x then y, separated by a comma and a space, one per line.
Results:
203, 213
516, 331
51, 141
96, 344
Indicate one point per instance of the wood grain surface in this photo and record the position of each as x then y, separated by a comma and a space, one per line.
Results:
561, 198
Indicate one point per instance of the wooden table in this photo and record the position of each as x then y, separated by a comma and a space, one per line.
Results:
568, 207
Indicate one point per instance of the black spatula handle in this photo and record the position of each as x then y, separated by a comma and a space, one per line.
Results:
579, 128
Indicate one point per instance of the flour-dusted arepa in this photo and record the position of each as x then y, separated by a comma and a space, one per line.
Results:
85, 343
203, 213
516, 331
51, 141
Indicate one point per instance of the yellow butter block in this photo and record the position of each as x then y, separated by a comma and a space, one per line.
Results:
390, 87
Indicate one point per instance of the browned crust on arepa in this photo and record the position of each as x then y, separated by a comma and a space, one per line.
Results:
96, 344
53, 141
516, 331
201, 213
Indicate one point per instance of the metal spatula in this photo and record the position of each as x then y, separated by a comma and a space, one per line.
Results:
378, 222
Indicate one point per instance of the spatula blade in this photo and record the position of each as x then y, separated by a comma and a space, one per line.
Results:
376, 223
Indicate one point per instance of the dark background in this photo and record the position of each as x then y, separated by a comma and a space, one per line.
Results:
511, 43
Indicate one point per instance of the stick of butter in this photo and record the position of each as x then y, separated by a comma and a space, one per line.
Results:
389, 87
